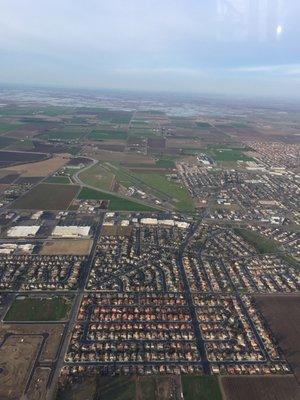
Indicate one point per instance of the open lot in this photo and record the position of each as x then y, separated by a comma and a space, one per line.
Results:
17, 356
80, 247
261, 388
283, 317
200, 388
38, 385
262, 244
47, 197
158, 388
54, 332
38, 309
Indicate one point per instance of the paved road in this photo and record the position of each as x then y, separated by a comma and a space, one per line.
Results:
198, 334
63, 347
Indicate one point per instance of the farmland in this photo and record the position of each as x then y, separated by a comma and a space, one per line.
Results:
105, 134
59, 179
68, 133
15, 157
283, 317
261, 388
38, 309
47, 197
41, 168
201, 388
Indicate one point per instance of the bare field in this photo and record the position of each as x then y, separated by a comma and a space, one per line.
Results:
261, 388
17, 357
283, 316
41, 168
51, 344
38, 385
47, 197
116, 230
184, 143
80, 247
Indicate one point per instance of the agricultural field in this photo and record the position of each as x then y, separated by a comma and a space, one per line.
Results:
283, 317
16, 157
125, 388
106, 134
115, 203
68, 133
41, 168
39, 309
261, 388
6, 142
201, 388
47, 197
7, 126
59, 179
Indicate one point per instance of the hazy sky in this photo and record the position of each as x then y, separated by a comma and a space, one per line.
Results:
216, 46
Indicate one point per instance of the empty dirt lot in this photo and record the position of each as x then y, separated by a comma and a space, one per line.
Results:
283, 316
80, 247
51, 343
17, 356
261, 388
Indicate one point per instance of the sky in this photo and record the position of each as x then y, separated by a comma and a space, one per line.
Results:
244, 47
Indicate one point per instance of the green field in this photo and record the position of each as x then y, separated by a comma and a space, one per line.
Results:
5, 126
155, 183
39, 309
165, 162
228, 154
69, 133
105, 134
98, 177
117, 388
262, 244
200, 388
203, 125
115, 203
22, 145
168, 189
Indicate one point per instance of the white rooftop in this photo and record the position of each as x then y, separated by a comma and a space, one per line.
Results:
23, 230
71, 231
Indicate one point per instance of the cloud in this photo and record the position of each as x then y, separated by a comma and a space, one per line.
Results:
285, 69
